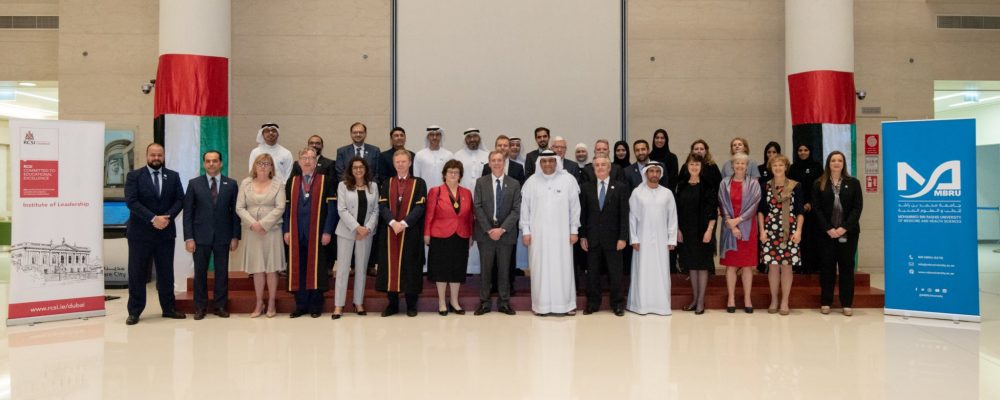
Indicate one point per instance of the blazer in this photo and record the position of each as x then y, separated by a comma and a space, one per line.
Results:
210, 224
529, 163
346, 154
850, 201
514, 170
347, 208
440, 220
143, 203
603, 228
508, 214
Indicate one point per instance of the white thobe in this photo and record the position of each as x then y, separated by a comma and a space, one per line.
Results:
427, 165
472, 162
550, 213
282, 159
653, 225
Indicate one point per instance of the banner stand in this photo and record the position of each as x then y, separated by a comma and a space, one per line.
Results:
57, 254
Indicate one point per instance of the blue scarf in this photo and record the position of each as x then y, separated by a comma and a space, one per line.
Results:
748, 208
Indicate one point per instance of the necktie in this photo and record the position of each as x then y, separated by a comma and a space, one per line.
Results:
496, 202
600, 195
214, 189
357, 152
156, 182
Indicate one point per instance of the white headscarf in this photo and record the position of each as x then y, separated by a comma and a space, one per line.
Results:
547, 154
432, 128
260, 132
650, 164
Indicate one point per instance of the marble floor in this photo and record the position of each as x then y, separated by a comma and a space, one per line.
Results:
714, 356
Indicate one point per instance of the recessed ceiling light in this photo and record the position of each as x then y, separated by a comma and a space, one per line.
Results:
28, 84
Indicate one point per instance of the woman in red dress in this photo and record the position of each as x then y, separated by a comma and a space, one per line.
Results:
738, 198
448, 234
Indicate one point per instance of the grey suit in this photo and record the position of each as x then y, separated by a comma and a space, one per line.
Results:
348, 207
496, 252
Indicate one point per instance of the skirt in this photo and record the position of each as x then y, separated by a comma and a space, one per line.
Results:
447, 259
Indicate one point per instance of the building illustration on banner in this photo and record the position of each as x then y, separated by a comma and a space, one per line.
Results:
55, 263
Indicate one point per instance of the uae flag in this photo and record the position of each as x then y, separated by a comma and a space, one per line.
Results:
192, 111
823, 113
192, 117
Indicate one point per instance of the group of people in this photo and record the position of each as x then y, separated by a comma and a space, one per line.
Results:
432, 210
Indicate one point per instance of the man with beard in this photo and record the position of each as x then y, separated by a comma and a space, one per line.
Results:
428, 163
357, 148
634, 172
267, 142
324, 165
515, 153
542, 140
397, 138
154, 196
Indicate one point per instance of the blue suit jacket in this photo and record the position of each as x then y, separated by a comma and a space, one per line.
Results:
144, 204
210, 224
346, 154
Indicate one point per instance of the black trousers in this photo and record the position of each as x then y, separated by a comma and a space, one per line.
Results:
139, 254
603, 257
495, 266
838, 259
202, 255
411, 301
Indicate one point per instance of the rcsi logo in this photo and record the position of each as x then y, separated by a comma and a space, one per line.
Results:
941, 189
29, 138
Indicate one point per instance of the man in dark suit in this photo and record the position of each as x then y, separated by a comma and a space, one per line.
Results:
397, 137
497, 205
211, 228
324, 165
559, 146
358, 148
604, 233
603, 147
154, 197
511, 168
542, 140
634, 172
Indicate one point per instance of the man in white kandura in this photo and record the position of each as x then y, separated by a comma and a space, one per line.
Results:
474, 159
267, 142
653, 231
429, 162
550, 218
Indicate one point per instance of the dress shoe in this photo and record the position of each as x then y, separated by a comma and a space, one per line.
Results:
296, 314
506, 310
748, 310
411, 312
335, 316
362, 312
588, 311
199, 315
221, 313
620, 312
483, 309
458, 311
132, 320
315, 314
699, 312
689, 307
441, 313
174, 315
730, 309
389, 312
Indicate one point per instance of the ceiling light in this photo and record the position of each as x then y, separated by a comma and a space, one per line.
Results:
28, 84
949, 96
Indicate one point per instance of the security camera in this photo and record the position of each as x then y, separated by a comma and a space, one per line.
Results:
148, 87
861, 94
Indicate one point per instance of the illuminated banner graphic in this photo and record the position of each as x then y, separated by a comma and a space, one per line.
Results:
931, 255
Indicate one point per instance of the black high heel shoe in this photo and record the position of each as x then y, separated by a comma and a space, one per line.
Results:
731, 310
699, 312
458, 311
689, 307
444, 312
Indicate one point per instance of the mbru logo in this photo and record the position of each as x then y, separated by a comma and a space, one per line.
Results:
905, 173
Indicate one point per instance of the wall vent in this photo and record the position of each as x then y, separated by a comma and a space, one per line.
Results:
871, 110
967, 22
29, 22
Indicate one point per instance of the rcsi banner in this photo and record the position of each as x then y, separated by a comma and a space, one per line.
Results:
931, 256
56, 257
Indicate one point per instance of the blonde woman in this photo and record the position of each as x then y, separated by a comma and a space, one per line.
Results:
260, 205
780, 218
739, 195
740, 146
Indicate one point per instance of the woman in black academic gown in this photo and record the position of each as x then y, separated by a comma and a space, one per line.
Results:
806, 170
660, 151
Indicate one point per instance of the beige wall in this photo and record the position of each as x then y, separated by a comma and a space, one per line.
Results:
718, 73
30, 55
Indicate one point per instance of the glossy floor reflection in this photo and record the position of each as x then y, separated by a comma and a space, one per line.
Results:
714, 356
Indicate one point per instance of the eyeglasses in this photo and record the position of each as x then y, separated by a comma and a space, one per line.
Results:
358, 167
357, 132
263, 163
306, 158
